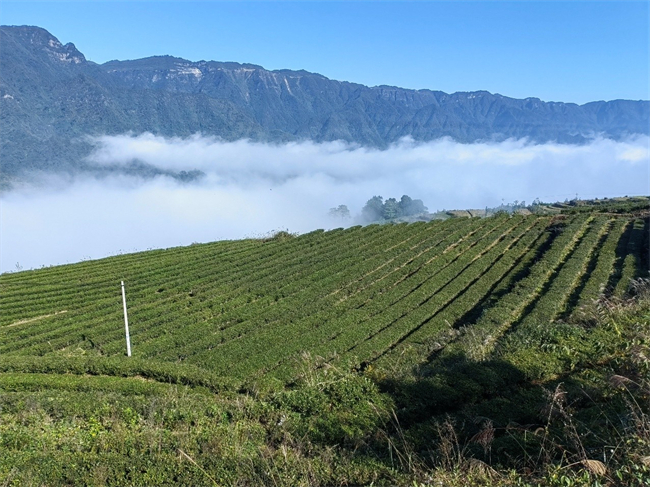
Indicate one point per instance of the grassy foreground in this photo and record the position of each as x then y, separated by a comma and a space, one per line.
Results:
475, 423
503, 351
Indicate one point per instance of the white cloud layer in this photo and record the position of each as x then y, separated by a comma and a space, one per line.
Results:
253, 188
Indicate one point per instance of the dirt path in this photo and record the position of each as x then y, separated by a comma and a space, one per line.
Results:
29, 320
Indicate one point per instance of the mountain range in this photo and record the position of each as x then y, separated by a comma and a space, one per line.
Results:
52, 98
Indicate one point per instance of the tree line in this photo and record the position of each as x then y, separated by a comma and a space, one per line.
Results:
376, 209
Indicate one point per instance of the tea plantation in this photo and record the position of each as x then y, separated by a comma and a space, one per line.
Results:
343, 357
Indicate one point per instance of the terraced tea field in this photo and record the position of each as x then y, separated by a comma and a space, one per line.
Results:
235, 311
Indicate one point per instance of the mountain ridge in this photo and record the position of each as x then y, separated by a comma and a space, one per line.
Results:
52, 98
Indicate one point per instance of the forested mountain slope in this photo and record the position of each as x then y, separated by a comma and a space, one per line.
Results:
51, 97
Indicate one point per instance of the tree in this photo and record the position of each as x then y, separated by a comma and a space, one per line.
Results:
405, 204
392, 209
373, 209
341, 212
410, 206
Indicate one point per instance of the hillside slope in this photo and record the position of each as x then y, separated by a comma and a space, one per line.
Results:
249, 309
459, 352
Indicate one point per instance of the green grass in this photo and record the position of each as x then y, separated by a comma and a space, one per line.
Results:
377, 354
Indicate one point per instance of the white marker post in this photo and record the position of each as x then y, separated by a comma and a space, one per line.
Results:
126, 324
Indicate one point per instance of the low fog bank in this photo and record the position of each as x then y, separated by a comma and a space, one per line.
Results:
250, 189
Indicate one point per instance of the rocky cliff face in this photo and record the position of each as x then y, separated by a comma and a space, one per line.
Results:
51, 97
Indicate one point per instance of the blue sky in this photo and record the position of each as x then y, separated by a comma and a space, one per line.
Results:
557, 51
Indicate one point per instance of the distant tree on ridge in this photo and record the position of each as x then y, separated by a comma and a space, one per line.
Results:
373, 209
340, 211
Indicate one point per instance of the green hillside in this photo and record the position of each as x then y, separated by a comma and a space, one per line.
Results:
248, 309
423, 320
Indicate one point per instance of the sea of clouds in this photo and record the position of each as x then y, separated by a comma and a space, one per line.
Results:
250, 189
